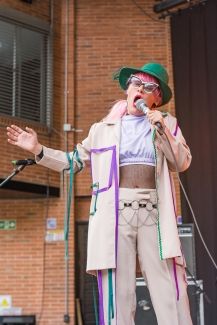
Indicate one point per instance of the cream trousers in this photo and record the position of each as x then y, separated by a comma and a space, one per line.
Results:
137, 234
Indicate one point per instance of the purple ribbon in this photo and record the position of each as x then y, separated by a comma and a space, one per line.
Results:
113, 170
184, 261
174, 207
174, 262
176, 130
175, 277
101, 308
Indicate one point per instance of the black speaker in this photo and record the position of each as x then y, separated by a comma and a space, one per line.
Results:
145, 313
186, 235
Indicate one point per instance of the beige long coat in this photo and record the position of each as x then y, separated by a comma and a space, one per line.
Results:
101, 235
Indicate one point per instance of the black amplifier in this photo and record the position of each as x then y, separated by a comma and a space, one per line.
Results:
186, 235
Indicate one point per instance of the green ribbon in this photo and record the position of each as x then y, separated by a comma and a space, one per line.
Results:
94, 299
164, 113
75, 152
95, 209
115, 75
67, 215
110, 297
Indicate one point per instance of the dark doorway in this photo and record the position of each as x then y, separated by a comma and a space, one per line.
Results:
84, 285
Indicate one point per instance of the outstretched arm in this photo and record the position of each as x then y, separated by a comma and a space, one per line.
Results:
28, 140
54, 159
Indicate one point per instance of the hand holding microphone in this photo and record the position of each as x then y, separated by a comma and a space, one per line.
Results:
154, 116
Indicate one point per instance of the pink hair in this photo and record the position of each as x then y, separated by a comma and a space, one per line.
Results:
119, 109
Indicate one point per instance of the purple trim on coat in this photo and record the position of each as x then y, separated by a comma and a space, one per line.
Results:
174, 207
174, 261
175, 277
101, 307
176, 130
111, 169
184, 261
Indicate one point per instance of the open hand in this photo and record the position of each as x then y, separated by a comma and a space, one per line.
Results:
27, 140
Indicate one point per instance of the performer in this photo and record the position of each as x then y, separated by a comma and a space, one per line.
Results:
133, 203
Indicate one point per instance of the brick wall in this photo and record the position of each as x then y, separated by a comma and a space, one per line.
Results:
103, 36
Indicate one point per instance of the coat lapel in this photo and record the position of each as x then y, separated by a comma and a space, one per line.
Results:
116, 127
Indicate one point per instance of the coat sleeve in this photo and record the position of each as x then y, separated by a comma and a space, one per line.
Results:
181, 150
57, 160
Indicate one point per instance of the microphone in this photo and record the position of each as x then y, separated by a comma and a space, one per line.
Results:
141, 105
24, 162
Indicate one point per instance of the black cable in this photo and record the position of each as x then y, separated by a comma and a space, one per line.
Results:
159, 21
189, 204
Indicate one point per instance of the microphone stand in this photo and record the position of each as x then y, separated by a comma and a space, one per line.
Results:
198, 292
16, 171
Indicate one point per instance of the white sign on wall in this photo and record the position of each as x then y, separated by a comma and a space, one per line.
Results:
54, 235
51, 223
11, 311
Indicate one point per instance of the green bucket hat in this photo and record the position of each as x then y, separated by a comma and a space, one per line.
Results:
154, 69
